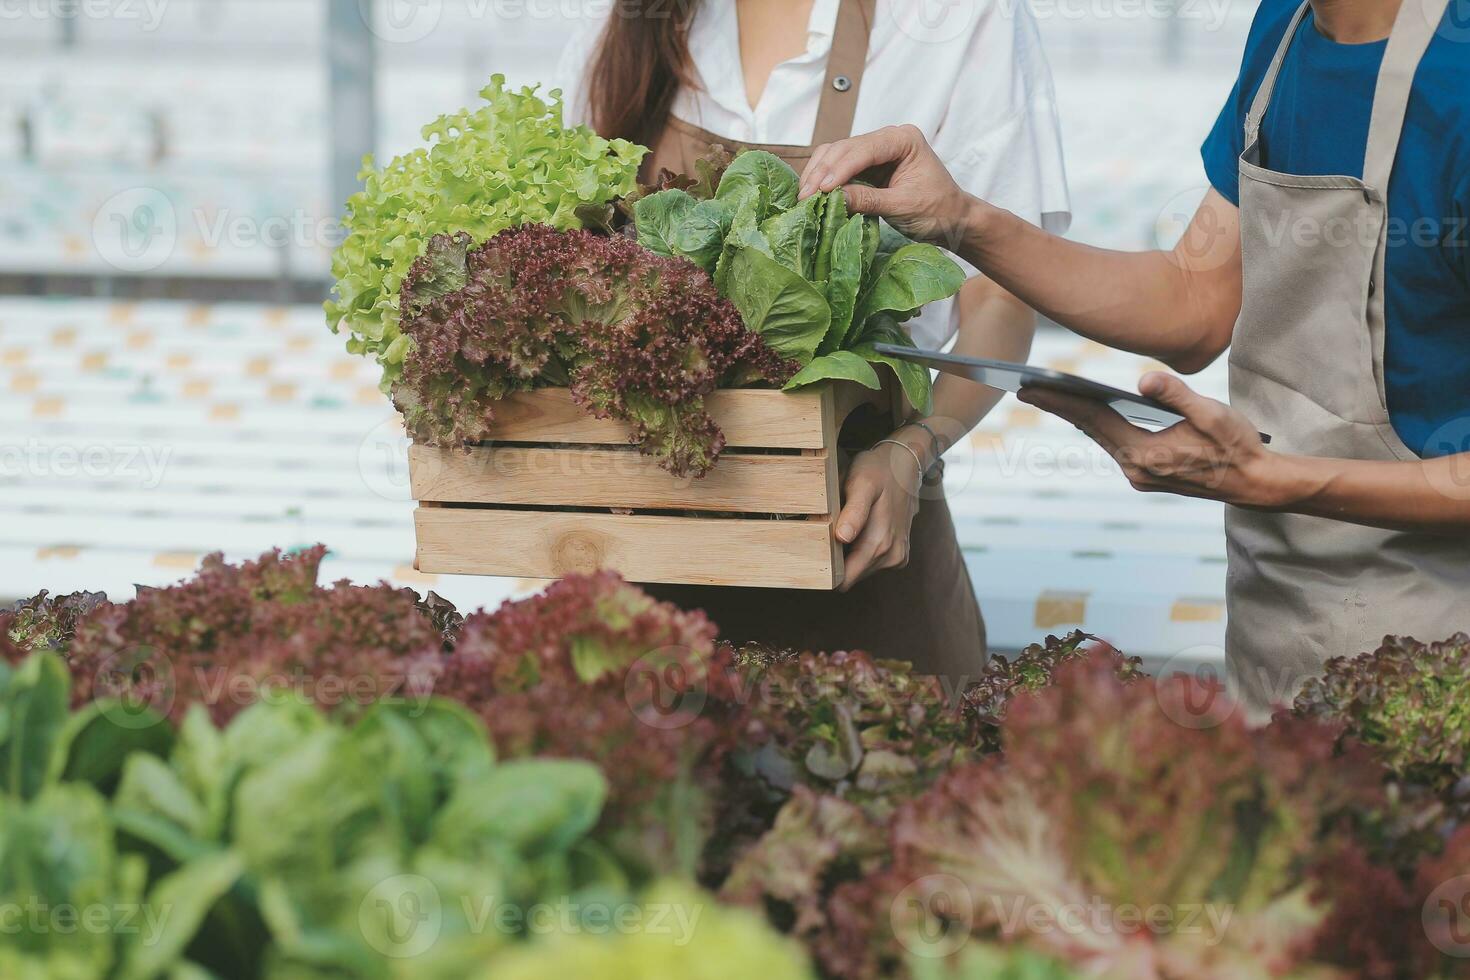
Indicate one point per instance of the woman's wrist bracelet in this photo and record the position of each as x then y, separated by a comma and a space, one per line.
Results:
935, 444
911, 451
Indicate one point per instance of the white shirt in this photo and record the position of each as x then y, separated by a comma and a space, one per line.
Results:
971, 75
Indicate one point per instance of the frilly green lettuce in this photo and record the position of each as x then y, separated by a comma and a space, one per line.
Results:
508, 163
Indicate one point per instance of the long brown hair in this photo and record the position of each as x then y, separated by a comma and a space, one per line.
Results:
642, 59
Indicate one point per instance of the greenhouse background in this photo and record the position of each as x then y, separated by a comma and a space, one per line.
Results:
168, 194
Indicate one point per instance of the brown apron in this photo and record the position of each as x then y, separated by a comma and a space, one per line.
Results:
925, 613
1306, 365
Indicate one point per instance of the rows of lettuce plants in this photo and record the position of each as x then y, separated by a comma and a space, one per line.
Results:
252, 774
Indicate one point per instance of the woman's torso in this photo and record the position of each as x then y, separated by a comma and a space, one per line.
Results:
975, 82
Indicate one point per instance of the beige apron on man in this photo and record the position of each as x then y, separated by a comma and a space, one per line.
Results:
925, 613
1306, 365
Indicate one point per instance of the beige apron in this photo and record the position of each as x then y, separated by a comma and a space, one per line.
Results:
1306, 365
926, 613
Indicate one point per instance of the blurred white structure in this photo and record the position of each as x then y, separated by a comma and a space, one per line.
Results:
141, 436
175, 141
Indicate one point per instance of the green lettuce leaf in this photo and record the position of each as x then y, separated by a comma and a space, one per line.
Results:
659, 217
701, 236
842, 365
844, 281
786, 310
700, 939
834, 219
906, 280
793, 236
890, 240
58, 851
536, 807
872, 239
99, 737
675, 224
918, 385
180, 902
34, 705
761, 179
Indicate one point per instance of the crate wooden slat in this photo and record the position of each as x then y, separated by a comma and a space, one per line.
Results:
558, 492
750, 418
533, 475
791, 554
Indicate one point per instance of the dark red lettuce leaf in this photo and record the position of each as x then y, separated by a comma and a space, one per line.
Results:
636, 336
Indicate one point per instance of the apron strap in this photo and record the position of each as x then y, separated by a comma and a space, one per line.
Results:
1262, 101
846, 63
1413, 30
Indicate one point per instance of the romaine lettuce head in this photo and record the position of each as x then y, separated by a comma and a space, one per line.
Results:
510, 162
814, 281
59, 861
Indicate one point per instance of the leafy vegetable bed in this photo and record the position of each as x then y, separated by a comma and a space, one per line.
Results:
253, 775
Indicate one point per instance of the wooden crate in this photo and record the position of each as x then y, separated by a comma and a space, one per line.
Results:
559, 492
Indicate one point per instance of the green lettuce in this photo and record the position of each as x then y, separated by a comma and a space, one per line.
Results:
789, 313
688, 937
811, 279
59, 857
508, 163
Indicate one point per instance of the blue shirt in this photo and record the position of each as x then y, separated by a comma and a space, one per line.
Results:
1318, 124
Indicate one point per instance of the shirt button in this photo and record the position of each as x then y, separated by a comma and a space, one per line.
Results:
1372, 287
842, 83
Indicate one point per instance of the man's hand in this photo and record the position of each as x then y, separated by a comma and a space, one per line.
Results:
881, 497
916, 194
1215, 453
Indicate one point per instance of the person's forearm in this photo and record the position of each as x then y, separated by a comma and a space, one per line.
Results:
1430, 495
994, 325
1175, 306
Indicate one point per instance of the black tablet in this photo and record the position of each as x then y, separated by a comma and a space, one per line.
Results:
1007, 376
